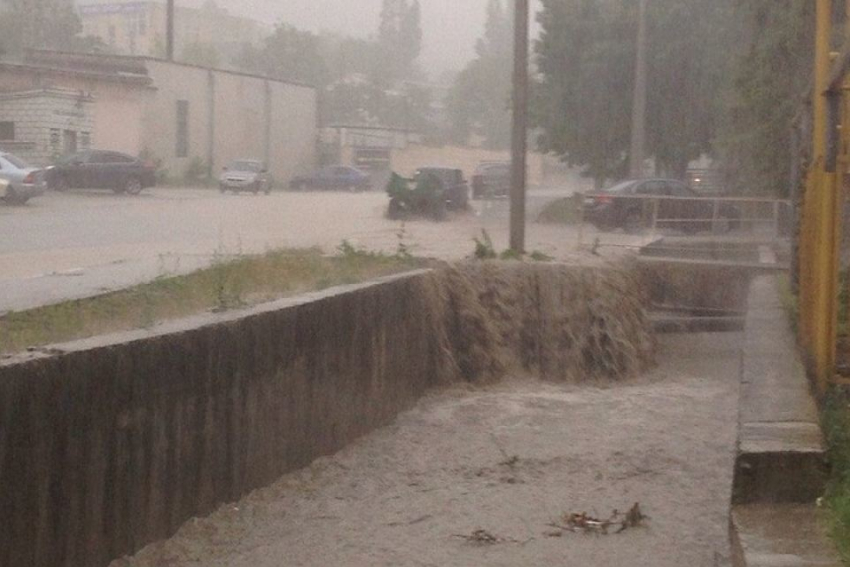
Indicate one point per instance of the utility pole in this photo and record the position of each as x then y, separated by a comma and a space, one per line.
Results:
519, 142
169, 30
638, 151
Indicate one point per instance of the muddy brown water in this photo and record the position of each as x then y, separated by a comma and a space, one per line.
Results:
402, 495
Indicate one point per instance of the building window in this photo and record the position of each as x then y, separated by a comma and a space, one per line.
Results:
55, 142
7, 130
182, 128
85, 140
69, 142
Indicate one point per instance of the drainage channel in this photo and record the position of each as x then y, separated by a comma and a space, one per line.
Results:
699, 286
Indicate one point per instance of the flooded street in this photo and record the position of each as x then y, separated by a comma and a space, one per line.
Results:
509, 459
65, 246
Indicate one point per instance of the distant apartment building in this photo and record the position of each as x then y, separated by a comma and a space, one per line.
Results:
137, 27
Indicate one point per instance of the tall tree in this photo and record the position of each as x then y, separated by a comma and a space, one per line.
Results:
289, 54
479, 100
691, 55
41, 24
411, 29
400, 39
200, 53
772, 75
586, 56
348, 56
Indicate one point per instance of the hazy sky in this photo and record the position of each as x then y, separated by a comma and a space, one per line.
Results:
450, 27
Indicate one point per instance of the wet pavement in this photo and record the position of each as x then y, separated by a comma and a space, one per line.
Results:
81, 243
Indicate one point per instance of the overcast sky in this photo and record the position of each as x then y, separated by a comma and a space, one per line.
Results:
450, 27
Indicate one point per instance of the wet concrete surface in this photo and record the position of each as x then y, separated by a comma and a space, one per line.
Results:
781, 468
81, 243
782, 535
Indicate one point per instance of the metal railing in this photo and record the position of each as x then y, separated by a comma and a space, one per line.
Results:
760, 219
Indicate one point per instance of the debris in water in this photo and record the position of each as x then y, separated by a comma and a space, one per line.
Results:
595, 249
511, 462
480, 536
634, 518
483, 537
585, 523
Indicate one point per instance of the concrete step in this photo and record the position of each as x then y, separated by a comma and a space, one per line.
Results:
780, 535
780, 462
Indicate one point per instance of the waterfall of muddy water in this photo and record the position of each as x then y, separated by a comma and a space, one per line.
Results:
561, 322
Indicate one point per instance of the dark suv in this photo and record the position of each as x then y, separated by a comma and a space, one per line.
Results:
455, 188
96, 169
621, 206
491, 179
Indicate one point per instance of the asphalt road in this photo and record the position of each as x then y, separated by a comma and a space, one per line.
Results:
76, 244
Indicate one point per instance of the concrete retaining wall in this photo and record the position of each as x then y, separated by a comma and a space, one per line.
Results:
110, 446
112, 443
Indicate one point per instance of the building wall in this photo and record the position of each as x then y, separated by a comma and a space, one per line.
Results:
41, 120
231, 116
159, 135
117, 109
138, 27
293, 130
118, 115
129, 27
405, 161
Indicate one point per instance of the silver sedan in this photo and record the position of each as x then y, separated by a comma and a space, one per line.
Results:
246, 175
22, 182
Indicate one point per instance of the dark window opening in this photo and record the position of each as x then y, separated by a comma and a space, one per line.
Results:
69, 141
182, 128
7, 130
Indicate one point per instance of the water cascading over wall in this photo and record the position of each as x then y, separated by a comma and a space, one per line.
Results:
111, 443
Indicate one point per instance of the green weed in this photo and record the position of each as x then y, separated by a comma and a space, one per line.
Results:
232, 281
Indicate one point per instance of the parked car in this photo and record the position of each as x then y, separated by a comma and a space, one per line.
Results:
23, 182
491, 179
455, 187
97, 169
246, 175
334, 177
616, 208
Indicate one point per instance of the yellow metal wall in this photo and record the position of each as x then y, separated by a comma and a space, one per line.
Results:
821, 220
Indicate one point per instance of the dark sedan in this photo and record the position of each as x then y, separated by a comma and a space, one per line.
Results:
621, 206
96, 169
335, 177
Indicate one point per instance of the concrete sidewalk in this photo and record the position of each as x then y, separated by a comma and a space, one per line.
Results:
781, 466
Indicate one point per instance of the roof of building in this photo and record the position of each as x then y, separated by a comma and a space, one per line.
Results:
99, 75
55, 92
369, 127
130, 65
